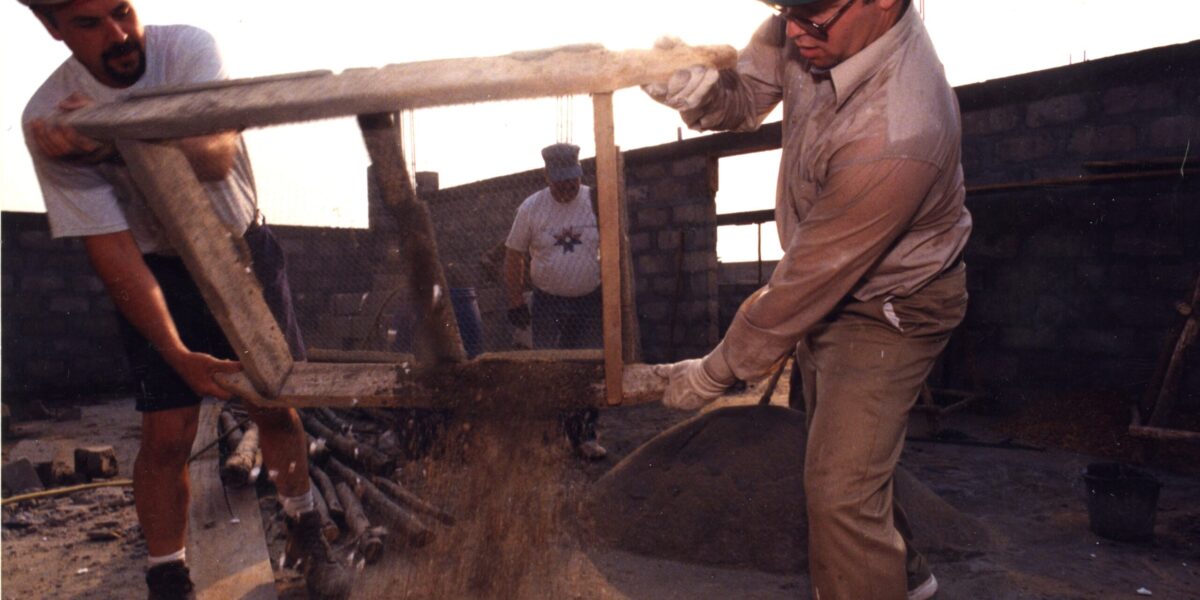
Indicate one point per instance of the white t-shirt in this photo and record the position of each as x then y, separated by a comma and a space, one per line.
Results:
94, 200
562, 240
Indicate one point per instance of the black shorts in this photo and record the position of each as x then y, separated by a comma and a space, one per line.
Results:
157, 386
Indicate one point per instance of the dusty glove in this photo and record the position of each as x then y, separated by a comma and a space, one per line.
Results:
686, 88
690, 385
519, 317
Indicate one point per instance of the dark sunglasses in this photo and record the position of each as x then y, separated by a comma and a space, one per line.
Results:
819, 31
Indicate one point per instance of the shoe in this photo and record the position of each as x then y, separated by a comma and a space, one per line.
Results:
925, 591
307, 547
591, 450
170, 581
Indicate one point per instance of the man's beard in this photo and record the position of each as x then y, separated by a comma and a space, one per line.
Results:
120, 51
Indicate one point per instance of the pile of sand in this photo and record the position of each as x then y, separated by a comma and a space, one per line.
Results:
726, 488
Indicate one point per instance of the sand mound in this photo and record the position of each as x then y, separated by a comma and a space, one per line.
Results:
726, 488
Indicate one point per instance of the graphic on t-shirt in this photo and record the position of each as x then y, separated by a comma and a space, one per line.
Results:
568, 238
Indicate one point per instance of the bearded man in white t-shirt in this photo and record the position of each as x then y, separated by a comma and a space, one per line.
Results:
556, 227
174, 344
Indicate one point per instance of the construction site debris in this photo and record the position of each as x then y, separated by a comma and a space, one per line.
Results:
95, 462
244, 461
20, 477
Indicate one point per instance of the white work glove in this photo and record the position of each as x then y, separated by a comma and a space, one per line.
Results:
686, 89
690, 385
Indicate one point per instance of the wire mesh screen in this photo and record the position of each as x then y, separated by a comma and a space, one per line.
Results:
519, 251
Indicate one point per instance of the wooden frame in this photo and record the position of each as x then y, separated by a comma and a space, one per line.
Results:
218, 263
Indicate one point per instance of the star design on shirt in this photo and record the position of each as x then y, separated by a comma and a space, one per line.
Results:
568, 238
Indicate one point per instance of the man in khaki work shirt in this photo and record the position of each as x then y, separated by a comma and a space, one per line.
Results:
870, 212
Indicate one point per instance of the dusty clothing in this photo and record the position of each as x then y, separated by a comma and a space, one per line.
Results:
870, 193
563, 242
870, 212
95, 200
861, 376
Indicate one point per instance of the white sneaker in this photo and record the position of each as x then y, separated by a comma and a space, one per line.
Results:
925, 591
591, 450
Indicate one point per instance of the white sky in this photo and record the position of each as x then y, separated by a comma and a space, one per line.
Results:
315, 173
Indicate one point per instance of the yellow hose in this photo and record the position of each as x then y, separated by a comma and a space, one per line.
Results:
67, 490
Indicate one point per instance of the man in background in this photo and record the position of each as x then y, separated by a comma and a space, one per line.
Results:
175, 346
556, 227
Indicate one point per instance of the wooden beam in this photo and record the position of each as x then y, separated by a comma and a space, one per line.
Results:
610, 243
1080, 180
480, 385
238, 104
1163, 434
631, 336
438, 339
216, 258
1165, 392
226, 547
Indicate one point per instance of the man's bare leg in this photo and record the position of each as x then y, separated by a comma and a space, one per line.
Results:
161, 488
284, 448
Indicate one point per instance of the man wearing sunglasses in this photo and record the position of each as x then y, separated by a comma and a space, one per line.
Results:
870, 212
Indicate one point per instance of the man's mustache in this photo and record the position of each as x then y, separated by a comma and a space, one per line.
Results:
123, 49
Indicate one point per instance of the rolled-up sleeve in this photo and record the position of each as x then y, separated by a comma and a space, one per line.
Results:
863, 208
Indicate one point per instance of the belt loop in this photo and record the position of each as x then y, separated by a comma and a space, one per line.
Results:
256, 222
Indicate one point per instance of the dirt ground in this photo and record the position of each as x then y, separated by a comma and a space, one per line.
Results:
1016, 470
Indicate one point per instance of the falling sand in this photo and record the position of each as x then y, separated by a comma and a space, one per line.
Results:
506, 482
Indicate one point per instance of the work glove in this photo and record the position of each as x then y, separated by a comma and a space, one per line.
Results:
691, 385
686, 89
519, 317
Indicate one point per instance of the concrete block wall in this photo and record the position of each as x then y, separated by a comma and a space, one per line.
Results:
1048, 124
1071, 285
1074, 286
60, 335
672, 236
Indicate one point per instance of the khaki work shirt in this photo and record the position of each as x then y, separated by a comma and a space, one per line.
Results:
869, 201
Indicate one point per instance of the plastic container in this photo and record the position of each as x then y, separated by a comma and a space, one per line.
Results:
1122, 501
470, 322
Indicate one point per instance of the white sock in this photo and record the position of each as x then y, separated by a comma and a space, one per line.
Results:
179, 555
294, 505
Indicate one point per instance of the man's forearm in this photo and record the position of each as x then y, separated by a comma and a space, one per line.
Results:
211, 156
138, 296
134, 290
514, 277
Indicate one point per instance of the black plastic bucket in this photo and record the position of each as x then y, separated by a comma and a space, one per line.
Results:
1122, 501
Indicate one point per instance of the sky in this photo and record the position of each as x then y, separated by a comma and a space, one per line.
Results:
314, 173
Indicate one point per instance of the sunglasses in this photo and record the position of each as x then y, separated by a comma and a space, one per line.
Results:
819, 31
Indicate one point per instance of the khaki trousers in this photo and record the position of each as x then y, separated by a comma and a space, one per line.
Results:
861, 375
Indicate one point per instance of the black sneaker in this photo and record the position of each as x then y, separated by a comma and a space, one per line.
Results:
170, 581
324, 576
